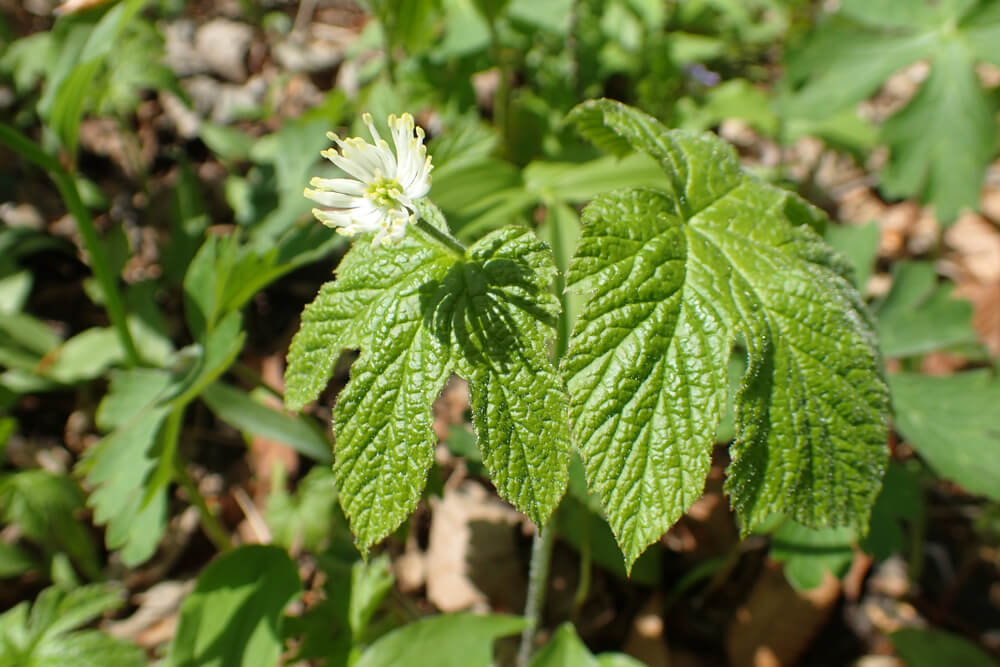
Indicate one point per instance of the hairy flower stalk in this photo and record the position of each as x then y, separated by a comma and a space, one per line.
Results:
380, 196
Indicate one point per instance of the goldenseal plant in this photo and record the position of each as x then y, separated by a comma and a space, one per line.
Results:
674, 278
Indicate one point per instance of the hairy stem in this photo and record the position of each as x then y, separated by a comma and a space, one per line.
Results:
437, 237
541, 546
538, 578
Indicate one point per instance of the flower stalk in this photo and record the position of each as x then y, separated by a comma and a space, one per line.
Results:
439, 238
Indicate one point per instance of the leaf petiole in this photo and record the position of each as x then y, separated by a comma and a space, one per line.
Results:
439, 238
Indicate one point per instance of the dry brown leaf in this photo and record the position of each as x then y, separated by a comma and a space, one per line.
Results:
860, 204
107, 137
975, 265
473, 560
896, 224
154, 622
450, 406
976, 245
777, 623
410, 569
879, 661
73, 6
990, 205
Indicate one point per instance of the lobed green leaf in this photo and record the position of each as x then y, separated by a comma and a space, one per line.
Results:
673, 278
498, 314
942, 141
418, 314
383, 418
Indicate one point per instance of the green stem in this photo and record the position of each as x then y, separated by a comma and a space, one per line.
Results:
538, 577
564, 326
541, 546
583, 587
88, 233
100, 265
438, 238
501, 98
209, 522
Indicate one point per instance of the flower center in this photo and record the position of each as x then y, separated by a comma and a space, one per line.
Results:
384, 192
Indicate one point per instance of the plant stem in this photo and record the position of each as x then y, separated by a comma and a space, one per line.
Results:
88, 233
559, 253
501, 97
209, 522
541, 545
583, 587
439, 238
100, 265
538, 578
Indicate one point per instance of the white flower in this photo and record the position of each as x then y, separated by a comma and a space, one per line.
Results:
379, 198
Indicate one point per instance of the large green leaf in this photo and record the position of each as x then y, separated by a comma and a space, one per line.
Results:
418, 313
952, 423
842, 65
943, 139
235, 613
905, 14
449, 640
382, 422
498, 313
367, 282
673, 278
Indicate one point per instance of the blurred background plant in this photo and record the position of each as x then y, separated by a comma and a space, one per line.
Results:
155, 252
